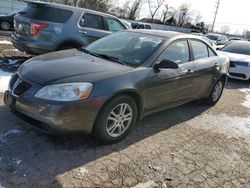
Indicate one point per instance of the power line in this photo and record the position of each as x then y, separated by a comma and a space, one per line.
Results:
216, 12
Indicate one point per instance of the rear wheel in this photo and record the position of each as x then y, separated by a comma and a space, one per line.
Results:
5, 26
216, 93
115, 120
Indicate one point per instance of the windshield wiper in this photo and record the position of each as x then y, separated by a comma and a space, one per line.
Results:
116, 59
104, 56
89, 52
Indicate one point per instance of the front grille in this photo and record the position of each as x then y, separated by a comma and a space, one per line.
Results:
21, 88
238, 75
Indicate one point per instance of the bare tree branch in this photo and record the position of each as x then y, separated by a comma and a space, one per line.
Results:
153, 8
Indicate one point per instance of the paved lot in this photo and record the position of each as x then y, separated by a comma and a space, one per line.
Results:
188, 146
191, 145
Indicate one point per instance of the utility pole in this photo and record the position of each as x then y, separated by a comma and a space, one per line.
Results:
216, 12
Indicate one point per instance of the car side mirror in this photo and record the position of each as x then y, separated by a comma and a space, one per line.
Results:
166, 64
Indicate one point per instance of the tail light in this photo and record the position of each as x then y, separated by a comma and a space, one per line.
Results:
35, 27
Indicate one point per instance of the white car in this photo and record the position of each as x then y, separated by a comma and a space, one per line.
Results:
239, 56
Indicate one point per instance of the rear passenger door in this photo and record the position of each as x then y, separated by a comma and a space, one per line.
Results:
206, 66
92, 27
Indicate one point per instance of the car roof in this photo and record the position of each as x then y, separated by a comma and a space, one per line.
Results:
68, 7
165, 34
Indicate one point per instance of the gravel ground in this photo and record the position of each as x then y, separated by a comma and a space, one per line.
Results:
188, 146
7, 50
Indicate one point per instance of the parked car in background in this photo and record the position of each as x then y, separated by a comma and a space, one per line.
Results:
107, 86
45, 27
139, 25
6, 22
218, 39
234, 38
239, 55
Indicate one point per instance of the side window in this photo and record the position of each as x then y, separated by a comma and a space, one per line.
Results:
177, 51
199, 49
92, 21
211, 52
141, 26
82, 22
114, 25
147, 26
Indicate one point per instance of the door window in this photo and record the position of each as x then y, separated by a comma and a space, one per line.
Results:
92, 21
114, 25
177, 52
200, 50
211, 52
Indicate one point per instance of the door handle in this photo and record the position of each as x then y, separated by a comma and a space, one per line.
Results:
188, 71
83, 32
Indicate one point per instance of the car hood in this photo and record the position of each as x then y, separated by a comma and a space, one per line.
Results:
236, 57
69, 66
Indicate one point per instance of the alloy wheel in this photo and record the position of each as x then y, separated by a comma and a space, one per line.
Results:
119, 120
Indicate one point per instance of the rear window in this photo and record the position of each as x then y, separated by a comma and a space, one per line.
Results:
46, 13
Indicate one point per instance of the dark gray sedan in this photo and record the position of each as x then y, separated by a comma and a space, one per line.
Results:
106, 87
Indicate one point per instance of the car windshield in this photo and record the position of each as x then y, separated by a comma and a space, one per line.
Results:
213, 37
238, 48
128, 47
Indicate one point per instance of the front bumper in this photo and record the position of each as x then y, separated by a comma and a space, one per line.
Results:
55, 117
241, 73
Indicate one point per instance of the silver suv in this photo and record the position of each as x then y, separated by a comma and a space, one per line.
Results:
46, 27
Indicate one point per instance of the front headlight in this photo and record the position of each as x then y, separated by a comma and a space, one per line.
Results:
65, 92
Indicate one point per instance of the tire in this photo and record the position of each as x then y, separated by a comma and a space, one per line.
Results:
216, 93
66, 47
5, 26
106, 129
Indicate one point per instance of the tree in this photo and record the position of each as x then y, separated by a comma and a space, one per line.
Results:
225, 29
134, 9
167, 13
154, 7
183, 14
197, 18
99, 5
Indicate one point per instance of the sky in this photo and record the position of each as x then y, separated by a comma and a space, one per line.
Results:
234, 13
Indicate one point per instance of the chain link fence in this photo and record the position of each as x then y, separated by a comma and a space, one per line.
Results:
9, 6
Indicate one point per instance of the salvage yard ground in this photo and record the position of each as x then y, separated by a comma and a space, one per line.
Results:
191, 145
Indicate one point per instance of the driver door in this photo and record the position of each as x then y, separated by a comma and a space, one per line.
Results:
172, 86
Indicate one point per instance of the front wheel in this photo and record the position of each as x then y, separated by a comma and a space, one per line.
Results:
216, 93
115, 120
